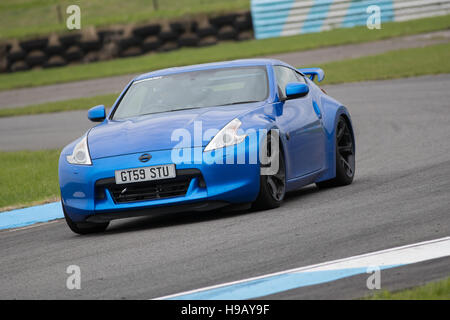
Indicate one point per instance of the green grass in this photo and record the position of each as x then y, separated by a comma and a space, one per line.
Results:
27, 177
25, 18
390, 65
223, 51
439, 290
58, 106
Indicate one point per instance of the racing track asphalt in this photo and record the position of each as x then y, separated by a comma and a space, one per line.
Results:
401, 195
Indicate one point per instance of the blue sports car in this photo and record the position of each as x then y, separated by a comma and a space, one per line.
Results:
235, 134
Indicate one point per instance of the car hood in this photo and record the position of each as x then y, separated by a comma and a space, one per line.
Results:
153, 132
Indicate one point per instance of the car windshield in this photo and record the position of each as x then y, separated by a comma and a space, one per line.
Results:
195, 89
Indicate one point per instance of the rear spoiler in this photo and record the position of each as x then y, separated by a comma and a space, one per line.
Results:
313, 72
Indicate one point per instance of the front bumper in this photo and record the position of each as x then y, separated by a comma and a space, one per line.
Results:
84, 197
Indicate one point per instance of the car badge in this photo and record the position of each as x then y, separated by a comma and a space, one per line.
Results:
145, 157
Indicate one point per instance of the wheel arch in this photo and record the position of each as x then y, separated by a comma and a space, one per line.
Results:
332, 112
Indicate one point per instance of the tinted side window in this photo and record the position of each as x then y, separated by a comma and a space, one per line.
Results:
285, 75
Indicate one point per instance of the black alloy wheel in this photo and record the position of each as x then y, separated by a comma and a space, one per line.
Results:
272, 187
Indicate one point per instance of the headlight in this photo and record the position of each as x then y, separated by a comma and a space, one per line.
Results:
228, 136
80, 154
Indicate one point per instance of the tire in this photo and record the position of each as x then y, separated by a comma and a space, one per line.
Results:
84, 227
345, 157
272, 187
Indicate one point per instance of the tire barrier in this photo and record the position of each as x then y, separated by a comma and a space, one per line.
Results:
99, 44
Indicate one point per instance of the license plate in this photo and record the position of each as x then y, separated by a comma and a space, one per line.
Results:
160, 172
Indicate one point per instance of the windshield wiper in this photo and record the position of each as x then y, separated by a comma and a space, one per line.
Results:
170, 110
198, 107
239, 102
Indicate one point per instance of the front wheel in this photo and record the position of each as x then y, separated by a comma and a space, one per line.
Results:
272, 187
345, 157
84, 227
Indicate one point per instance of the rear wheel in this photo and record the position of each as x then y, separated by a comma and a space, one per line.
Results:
272, 187
84, 227
345, 157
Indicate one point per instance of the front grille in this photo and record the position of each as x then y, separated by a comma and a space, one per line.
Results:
150, 190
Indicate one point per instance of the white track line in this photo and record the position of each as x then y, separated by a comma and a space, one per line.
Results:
403, 255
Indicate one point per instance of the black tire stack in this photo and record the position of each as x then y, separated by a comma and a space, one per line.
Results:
91, 45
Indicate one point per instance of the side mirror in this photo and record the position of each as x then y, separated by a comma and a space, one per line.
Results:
296, 90
97, 113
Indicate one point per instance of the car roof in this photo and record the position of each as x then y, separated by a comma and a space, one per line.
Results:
213, 65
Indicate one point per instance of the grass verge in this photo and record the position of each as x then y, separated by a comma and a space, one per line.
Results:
390, 65
403, 63
439, 290
59, 106
30, 177
223, 51
25, 18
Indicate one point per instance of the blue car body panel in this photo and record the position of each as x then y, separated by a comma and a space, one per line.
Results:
306, 126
